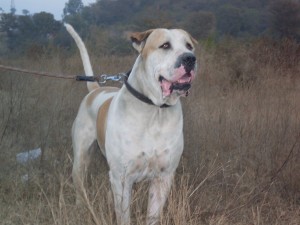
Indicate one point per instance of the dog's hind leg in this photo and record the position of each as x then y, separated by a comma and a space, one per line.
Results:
83, 137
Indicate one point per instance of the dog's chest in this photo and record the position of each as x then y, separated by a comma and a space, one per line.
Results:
145, 144
151, 164
159, 154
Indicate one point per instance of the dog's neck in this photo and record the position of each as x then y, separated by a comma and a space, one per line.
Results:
141, 81
142, 97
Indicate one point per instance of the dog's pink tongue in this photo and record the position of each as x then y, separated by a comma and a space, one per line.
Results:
166, 85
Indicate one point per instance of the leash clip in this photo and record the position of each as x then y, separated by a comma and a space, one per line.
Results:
121, 77
102, 79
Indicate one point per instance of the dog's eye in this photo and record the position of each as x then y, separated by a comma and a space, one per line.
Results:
166, 45
189, 46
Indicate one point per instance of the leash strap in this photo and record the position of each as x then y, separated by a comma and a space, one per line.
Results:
37, 73
85, 78
101, 79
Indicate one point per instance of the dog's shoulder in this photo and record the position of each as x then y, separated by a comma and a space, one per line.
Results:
92, 96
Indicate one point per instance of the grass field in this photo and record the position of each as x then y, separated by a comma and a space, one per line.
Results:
241, 163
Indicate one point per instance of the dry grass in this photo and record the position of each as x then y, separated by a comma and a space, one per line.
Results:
242, 124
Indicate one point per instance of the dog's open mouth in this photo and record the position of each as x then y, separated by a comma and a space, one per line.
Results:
181, 85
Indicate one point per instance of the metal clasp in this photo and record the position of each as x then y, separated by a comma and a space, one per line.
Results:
102, 79
121, 77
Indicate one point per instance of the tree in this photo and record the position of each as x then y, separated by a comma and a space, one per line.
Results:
229, 21
26, 28
72, 7
45, 23
13, 10
285, 18
25, 12
200, 24
25, 31
147, 20
9, 25
252, 22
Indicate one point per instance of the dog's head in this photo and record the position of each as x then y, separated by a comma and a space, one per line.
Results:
167, 59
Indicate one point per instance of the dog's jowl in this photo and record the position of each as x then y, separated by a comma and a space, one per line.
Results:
139, 126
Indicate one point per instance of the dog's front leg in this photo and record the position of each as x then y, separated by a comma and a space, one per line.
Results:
158, 193
121, 188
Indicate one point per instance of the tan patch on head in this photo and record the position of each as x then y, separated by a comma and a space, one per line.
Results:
102, 123
194, 41
138, 39
93, 94
157, 38
160, 36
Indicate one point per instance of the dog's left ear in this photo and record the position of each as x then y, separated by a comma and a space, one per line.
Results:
193, 40
138, 39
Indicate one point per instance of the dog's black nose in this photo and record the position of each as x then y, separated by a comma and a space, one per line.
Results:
188, 60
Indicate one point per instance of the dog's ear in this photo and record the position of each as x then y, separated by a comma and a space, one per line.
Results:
138, 39
193, 40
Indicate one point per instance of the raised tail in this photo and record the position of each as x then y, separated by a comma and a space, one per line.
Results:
84, 56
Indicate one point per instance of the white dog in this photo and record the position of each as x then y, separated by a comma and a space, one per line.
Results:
138, 127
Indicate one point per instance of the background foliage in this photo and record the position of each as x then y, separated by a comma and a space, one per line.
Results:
204, 19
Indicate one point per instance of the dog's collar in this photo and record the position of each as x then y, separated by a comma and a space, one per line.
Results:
140, 96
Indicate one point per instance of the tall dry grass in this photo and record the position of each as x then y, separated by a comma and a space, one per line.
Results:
241, 159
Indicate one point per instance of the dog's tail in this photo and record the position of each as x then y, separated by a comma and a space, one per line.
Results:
84, 56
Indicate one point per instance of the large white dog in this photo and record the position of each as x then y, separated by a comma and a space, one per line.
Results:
138, 127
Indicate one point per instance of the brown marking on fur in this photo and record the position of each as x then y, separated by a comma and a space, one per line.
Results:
157, 38
102, 123
92, 86
194, 41
139, 37
93, 94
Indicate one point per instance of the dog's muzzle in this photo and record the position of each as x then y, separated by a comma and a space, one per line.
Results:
188, 60
184, 73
